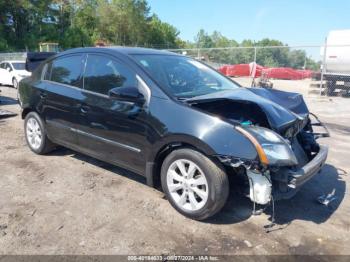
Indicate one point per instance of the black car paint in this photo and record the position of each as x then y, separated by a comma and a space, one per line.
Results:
133, 135
124, 133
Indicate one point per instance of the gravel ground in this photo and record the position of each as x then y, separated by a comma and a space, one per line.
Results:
68, 203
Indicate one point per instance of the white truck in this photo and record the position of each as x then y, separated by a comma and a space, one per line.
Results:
336, 66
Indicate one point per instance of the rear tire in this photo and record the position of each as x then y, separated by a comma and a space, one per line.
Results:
194, 185
35, 134
330, 88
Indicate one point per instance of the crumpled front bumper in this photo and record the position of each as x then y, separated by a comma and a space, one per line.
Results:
294, 179
305, 173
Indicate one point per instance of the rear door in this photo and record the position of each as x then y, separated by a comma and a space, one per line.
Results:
110, 129
61, 98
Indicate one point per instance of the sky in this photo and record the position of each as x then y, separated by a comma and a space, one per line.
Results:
294, 22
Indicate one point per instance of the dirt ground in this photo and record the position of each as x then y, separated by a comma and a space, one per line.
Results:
67, 203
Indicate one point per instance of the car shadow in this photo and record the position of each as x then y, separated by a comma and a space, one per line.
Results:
303, 206
5, 100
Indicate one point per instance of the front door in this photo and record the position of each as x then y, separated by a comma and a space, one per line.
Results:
5, 74
2, 72
109, 129
61, 98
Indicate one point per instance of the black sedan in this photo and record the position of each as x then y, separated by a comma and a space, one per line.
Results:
174, 120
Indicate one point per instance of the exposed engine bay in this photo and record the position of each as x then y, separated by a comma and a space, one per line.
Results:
236, 111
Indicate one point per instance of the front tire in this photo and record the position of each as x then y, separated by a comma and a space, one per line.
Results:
35, 134
15, 83
194, 185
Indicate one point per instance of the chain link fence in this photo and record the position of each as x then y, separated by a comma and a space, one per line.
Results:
18, 56
310, 70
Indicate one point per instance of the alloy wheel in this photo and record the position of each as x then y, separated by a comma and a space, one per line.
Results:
187, 185
34, 133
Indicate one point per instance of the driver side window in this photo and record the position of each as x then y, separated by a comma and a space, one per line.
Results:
103, 74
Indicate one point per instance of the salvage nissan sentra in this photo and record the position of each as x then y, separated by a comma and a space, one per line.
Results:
173, 119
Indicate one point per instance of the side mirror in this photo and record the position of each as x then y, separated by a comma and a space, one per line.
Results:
8, 69
128, 94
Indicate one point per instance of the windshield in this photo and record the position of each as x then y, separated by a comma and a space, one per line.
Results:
182, 76
18, 66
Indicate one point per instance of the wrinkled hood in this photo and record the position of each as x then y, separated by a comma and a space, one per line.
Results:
282, 109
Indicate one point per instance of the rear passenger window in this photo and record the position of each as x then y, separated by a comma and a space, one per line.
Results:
102, 74
67, 70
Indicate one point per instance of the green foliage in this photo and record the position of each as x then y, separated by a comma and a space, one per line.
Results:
77, 23
75, 37
73, 23
162, 34
269, 52
3, 45
203, 40
85, 18
122, 22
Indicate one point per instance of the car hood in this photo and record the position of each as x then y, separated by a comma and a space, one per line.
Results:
282, 109
23, 72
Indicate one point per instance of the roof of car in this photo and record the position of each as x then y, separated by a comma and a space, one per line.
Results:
123, 50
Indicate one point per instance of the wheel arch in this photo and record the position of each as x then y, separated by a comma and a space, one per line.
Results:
13, 80
162, 150
26, 111
223, 140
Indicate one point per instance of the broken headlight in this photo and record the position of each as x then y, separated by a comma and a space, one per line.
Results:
277, 150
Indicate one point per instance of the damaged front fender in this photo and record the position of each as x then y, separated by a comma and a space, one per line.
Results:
209, 134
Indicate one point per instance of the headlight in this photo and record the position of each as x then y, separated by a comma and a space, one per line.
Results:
279, 154
265, 135
276, 149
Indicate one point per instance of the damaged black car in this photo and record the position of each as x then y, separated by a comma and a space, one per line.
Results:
174, 120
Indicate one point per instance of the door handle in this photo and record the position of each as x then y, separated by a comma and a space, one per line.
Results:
84, 109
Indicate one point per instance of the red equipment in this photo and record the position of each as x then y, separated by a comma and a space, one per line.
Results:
245, 70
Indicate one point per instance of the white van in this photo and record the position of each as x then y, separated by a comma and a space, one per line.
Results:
337, 61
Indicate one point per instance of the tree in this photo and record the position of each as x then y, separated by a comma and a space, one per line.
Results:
72, 23
297, 59
162, 35
85, 18
269, 52
221, 41
75, 37
123, 22
75, 23
203, 40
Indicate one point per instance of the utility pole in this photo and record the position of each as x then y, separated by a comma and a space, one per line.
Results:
323, 64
